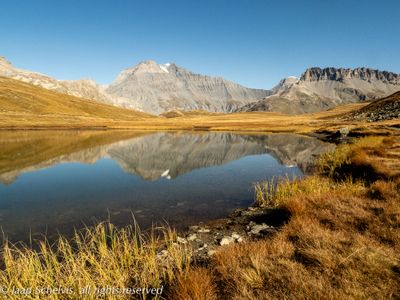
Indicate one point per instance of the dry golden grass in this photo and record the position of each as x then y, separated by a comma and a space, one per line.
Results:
97, 257
196, 284
370, 158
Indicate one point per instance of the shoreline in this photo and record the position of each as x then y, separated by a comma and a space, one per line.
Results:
336, 230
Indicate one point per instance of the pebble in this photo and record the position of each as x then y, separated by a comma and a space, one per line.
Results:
258, 228
162, 254
235, 235
192, 237
181, 240
227, 240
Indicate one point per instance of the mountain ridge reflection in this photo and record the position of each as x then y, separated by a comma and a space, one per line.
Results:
165, 154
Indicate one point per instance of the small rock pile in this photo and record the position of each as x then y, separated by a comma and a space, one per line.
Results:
244, 224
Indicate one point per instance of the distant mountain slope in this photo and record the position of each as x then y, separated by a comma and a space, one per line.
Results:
383, 109
321, 89
22, 102
149, 87
160, 88
85, 88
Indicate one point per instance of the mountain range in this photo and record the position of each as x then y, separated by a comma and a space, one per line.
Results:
321, 89
158, 88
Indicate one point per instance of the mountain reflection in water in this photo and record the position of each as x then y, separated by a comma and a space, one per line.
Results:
54, 181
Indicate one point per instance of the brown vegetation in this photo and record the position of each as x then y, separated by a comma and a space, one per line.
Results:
198, 283
343, 237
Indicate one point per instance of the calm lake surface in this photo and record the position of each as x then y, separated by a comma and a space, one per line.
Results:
52, 182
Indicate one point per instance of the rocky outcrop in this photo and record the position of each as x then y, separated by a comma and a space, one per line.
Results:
341, 74
158, 88
383, 109
321, 89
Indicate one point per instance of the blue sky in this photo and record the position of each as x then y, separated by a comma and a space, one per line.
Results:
255, 43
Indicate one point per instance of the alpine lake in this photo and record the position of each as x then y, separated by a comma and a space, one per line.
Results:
54, 182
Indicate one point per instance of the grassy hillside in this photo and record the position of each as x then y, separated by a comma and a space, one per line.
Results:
25, 104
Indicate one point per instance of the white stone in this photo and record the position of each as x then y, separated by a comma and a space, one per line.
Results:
227, 240
192, 237
235, 235
181, 240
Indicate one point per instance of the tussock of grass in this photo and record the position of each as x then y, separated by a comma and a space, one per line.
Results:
197, 283
275, 194
97, 257
356, 161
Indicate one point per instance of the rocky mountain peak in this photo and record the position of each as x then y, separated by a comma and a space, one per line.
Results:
150, 66
163, 87
144, 67
284, 84
341, 74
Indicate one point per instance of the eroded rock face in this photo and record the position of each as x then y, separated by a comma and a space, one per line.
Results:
321, 89
159, 88
317, 74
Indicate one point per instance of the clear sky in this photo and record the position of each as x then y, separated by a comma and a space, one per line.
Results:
255, 43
